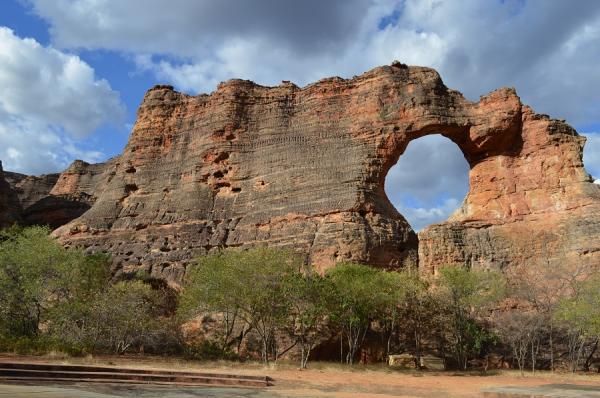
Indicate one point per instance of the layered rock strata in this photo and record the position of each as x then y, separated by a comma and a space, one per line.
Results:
305, 168
10, 208
52, 199
533, 205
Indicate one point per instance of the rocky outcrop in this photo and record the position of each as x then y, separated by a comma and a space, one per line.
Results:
55, 199
10, 208
534, 205
306, 167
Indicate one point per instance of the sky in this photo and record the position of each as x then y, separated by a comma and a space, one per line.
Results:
73, 72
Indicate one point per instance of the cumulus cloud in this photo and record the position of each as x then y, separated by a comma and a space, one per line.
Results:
421, 217
48, 100
32, 147
429, 181
591, 155
547, 49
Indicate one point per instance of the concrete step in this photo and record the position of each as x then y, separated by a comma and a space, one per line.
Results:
114, 369
47, 372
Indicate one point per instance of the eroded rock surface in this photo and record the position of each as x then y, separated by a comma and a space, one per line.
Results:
10, 208
305, 168
536, 205
53, 199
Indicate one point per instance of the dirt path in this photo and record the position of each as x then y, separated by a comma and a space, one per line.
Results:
332, 380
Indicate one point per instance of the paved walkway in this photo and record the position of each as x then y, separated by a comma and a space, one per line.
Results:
547, 391
120, 391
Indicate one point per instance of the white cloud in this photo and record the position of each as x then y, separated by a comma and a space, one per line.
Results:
32, 147
429, 181
48, 100
192, 28
420, 217
547, 50
591, 155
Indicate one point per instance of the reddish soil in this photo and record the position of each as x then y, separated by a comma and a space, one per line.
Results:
334, 380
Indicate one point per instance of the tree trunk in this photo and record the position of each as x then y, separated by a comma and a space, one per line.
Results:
342, 347
417, 349
551, 346
588, 360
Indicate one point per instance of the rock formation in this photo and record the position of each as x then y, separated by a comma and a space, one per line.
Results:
306, 167
530, 205
10, 208
51, 199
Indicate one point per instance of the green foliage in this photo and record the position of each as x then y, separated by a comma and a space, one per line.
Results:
57, 299
465, 294
361, 294
582, 310
211, 284
579, 315
309, 296
251, 286
37, 275
117, 319
207, 350
52, 298
471, 288
420, 315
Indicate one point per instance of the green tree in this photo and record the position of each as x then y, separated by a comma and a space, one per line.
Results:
359, 296
116, 319
466, 293
262, 295
309, 296
250, 285
420, 313
124, 315
393, 290
212, 286
580, 315
37, 275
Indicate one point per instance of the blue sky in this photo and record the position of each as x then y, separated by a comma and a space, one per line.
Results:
73, 72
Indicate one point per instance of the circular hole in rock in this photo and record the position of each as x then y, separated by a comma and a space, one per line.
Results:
429, 181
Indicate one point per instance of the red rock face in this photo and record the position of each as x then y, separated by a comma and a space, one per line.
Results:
52, 199
535, 205
10, 208
305, 168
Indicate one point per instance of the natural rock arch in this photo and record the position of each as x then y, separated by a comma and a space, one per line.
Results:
306, 167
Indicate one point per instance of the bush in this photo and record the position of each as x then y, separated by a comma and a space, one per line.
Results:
466, 294
122, 317
359, 295
248, 286
57, 299
37, 275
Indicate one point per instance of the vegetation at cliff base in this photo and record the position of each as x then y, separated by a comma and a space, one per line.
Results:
267, 304
52, 298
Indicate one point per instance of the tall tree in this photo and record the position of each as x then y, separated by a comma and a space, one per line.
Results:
467, 293
359, 297
309, 296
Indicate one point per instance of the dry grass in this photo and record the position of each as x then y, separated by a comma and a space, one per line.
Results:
330, 379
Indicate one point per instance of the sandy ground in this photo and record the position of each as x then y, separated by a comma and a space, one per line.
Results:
334, 380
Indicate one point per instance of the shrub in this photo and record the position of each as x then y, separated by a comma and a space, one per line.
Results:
37, 275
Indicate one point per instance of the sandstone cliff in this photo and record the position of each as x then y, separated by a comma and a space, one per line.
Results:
10, 208
52, 199
534, 204
305, 168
